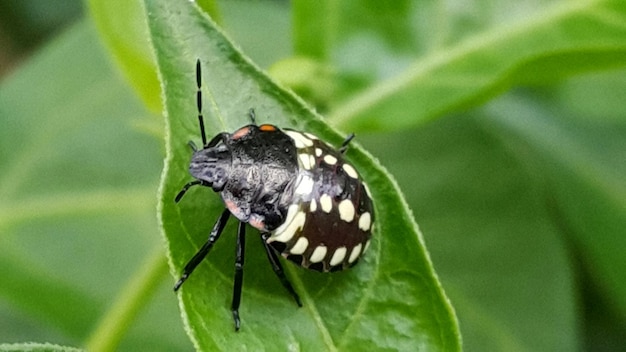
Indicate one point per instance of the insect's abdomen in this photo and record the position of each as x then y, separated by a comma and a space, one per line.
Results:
330, 215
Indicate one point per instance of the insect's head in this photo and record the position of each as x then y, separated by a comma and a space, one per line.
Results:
211, 164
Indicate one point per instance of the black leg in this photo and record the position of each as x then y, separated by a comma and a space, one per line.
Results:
278, 268
186, 187
199, 256
344, 145
239, 258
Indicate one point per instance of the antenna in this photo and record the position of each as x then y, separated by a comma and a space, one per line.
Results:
199, 101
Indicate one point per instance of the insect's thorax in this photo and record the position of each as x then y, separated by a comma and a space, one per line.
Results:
263, 165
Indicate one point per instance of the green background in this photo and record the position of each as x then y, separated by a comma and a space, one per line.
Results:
503, 124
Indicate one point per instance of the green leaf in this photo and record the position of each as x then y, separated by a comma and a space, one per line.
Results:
523, 200
385, 21
314, 27
580, 154
36, 347
391, 300
567, 38
500, 258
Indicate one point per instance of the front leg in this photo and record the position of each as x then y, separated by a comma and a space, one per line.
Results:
202, 253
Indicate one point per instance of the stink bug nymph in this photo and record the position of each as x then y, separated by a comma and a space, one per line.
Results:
308, 203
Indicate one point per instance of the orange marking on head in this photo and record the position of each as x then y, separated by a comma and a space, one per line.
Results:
267, 128
241, 132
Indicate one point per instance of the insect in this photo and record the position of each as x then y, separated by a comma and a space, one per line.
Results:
308, 203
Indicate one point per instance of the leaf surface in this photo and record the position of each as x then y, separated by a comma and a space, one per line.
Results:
391, 300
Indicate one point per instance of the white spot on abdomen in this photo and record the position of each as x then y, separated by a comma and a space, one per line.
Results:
318, 254
300, 140
367, 245
301, 244
338, 256
326, 203
350, 171
294, 222
365, 221
346, 210
304, 184
312, 136
306, 160
329, 159
313, 206
356, 251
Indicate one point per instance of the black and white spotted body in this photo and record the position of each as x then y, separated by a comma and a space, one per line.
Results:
308, 202
329, 210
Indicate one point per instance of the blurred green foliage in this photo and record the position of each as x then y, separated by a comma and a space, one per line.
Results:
503, 123
25, 25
